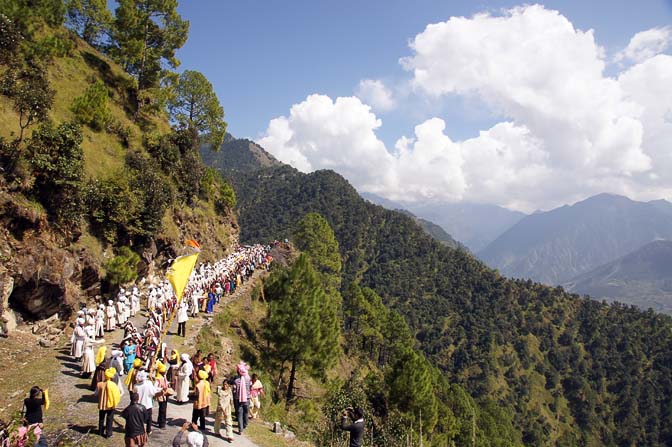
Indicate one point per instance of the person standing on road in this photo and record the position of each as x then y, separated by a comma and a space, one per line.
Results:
109, 396
202, 402
134, 432
241, 396
146, 392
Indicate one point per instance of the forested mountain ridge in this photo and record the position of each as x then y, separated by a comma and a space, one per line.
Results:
572, 371
237, 155
555, 246
642, 278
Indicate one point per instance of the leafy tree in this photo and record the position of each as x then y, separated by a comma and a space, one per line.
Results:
195, 105
31, 93
153, 193
57, 163
89, 18
112, 207
10, 40
28, 13
227, 196
146, 33
91, 108
314, 236
122, 268
298, 329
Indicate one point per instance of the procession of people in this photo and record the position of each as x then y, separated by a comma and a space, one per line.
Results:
141, 364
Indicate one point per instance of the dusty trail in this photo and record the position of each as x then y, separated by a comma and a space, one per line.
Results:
75, 413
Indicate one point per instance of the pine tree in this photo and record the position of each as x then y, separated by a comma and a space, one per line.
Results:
89, 18
411, 388
302, 326
314, 236
195, 105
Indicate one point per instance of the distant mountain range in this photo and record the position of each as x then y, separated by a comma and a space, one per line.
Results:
555, 246
475, 225
642, 278
434, 230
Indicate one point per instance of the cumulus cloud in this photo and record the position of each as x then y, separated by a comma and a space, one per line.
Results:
645, 45
568, 129
376, 94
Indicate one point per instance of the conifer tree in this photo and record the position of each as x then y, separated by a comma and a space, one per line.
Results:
301, 327
194, 105
411, 389
314, 236
89, 18
145, 35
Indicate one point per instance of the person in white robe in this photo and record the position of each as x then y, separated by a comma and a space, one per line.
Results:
79, 337
121, 312
89, 357
135, 303
111, 313
100, 321
80, 314
183, 378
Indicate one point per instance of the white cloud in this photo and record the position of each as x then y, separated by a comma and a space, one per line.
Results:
569, 130
645, 45
376, 94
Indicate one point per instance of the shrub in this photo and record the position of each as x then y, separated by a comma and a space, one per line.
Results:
123, 268
91, 108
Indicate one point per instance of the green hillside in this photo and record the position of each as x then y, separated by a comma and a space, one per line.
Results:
572, 371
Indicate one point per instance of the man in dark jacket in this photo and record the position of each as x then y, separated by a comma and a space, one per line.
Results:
135, 415
356, 429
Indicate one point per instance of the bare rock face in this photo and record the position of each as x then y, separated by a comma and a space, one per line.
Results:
47, 281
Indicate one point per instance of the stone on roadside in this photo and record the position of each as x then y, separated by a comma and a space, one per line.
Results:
46, 343
277, 428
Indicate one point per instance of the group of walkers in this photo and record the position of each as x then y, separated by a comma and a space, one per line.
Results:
141, 364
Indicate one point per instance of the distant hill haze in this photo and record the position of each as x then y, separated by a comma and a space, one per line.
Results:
555, 246
642, 278
473, 224
238, 155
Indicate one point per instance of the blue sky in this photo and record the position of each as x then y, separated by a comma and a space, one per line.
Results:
264, 56
496, 102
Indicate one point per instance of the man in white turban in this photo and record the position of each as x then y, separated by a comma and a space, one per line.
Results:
183, 377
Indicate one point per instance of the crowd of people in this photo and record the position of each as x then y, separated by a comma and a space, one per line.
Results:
142, 365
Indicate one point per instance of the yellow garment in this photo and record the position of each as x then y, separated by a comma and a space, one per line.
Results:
130, 377
160, 368
113, 394
100, 355
202, 375
178, 273
45, 393
110, 372
176, 355
207, 368
137, 363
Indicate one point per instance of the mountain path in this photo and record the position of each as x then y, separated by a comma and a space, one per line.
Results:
75, 413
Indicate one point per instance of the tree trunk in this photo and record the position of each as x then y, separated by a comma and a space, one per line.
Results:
292, 378
141, 72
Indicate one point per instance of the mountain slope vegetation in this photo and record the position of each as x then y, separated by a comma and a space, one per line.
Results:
572, 371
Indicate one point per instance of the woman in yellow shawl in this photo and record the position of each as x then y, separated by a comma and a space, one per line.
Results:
108, 399
101, 366
162, 398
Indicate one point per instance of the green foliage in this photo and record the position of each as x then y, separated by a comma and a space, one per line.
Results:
123, 268
300, 326
567, 370
29, 89
195, 105
146, 34
153, 193
89, 19
112, 208
27, 14
227, 196
92, 107
411, 388
57, 163
314, 236
10, 40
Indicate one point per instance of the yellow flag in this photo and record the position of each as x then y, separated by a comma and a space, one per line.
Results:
178, 273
